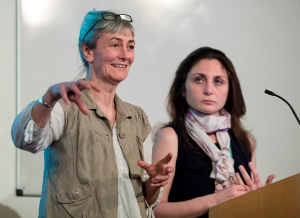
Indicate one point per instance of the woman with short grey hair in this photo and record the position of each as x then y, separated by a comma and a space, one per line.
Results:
92, 140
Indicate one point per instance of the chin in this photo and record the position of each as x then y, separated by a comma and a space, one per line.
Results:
120, 77
118, 80
208, 112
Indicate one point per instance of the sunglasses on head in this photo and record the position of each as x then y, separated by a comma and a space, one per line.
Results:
109, 17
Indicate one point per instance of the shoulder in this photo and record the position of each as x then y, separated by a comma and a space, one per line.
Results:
136, 112
167, 133
166, 137
165, 141
134, 109
138, 118
127, 109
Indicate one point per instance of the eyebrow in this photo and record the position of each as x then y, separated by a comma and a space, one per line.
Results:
204, 76
121, 40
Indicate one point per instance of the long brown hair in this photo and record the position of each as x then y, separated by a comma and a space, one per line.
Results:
235, 104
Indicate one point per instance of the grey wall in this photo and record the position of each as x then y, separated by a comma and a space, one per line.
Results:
260, 37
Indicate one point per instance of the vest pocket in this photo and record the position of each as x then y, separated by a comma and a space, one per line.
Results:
79, 202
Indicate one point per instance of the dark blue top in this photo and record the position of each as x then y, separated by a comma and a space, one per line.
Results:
193, 169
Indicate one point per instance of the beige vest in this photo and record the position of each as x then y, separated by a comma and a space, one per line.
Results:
81, 175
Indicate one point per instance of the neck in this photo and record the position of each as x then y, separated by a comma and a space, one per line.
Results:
217, 114
213, 137
105, 99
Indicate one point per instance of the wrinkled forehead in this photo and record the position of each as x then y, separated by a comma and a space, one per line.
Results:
122, 37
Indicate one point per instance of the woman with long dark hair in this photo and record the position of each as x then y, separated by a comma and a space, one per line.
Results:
213, 154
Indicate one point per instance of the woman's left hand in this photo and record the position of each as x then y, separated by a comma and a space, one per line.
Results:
253, 183
160, 172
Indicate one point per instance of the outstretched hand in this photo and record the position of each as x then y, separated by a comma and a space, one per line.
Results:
159, 173
71, 92
255, 182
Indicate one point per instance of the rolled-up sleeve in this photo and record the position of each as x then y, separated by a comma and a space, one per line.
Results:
26, 135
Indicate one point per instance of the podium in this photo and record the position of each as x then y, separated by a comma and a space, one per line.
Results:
278, 200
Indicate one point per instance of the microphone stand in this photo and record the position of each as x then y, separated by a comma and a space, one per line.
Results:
273, 94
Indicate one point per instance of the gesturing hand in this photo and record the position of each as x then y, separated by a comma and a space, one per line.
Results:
255, 182
71, 92
160, 172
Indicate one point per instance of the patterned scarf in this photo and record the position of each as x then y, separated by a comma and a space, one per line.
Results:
198, 125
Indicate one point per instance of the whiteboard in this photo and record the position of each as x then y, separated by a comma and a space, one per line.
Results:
260, 37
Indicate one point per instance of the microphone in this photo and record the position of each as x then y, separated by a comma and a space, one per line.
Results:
273, 94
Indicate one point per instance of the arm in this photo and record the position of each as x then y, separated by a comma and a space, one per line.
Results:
28, 136
166, 141
31, 129
159, 174
156, 175
148, 159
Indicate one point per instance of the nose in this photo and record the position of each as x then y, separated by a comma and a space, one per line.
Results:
208, 88
124, 54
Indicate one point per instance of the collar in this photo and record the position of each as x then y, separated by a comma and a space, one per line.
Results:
122, 108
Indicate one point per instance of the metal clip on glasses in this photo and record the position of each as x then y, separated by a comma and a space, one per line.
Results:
109, 17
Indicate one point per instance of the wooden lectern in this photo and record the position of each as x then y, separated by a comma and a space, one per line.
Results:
278, 200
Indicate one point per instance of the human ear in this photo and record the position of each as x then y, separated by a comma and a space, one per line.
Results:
87, 53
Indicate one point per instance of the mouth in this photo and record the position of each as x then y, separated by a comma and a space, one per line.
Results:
122, 66
208, 101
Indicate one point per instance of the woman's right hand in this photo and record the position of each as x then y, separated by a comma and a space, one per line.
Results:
70, 92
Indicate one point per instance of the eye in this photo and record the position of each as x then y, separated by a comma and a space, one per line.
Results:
131, 47
115, 45
198, 80
218, 82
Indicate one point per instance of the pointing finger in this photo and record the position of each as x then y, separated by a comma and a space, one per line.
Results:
166, 159
142, 164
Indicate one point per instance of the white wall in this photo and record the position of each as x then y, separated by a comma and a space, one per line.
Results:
10, 205
260, 37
